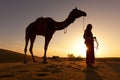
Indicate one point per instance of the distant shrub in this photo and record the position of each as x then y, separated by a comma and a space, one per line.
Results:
55, 57
71, 57
79, 58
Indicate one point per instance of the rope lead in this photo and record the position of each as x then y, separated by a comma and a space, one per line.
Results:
83, 24
65, 30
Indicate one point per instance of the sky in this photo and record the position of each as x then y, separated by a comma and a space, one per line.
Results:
104, 15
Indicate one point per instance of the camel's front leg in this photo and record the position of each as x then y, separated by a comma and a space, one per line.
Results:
32, 39
47, 40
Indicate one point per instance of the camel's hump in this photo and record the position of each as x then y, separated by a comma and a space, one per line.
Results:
42, 19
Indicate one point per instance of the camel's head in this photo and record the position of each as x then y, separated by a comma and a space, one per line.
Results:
78, 13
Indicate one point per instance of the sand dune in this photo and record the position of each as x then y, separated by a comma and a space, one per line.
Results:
11, 56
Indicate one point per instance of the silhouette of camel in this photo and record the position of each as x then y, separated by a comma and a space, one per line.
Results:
47, 27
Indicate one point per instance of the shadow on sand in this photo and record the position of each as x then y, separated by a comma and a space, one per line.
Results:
91, 74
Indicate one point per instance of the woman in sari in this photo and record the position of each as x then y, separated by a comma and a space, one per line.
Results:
89, 41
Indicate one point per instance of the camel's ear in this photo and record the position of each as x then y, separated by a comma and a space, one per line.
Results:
76, 7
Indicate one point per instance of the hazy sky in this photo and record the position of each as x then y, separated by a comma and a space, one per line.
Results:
104, 15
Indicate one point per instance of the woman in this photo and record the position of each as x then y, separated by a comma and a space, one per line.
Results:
89, 41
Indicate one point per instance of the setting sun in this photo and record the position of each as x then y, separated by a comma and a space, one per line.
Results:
79, 48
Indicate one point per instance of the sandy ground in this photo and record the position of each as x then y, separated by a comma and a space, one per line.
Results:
58, 69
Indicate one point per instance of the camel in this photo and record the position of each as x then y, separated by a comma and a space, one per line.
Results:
47, 27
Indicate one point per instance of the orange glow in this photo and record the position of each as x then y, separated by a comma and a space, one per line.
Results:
79, 49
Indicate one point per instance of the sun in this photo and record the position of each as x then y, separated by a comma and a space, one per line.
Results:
79, 48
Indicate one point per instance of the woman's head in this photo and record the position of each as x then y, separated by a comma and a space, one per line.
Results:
89, 27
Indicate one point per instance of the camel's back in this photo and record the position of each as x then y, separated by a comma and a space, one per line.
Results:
40, 26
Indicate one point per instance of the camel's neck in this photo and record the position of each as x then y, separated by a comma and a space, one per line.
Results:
65, 23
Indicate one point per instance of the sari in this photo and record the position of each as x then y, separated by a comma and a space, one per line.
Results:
89, 41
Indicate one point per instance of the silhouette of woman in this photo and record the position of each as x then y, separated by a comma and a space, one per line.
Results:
89, 41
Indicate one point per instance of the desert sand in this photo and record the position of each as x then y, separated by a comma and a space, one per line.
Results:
61, 69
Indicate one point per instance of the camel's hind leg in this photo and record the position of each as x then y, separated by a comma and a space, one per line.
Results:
32, 39
25, 49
